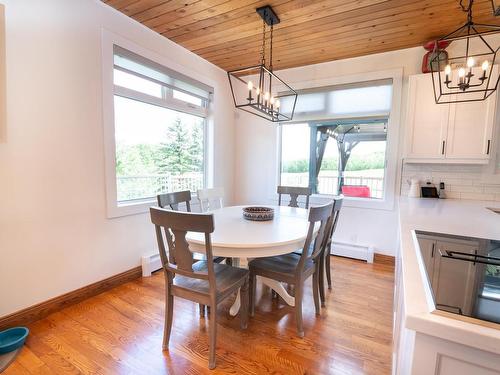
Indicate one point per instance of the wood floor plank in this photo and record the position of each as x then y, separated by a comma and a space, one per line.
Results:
120, 332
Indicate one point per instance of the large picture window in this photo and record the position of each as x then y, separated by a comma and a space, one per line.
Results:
160, 127
340, 147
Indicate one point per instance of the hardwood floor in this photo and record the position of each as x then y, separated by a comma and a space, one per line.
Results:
120, 332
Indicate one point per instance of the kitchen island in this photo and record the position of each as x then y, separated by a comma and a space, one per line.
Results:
426, 341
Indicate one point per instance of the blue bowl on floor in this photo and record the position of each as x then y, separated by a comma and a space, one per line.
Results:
12, 339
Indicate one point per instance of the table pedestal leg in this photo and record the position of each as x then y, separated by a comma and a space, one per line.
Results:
243, 263
273, 284
278, 288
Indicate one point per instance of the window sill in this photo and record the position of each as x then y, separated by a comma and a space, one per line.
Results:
386, 204
374, 204
138, 207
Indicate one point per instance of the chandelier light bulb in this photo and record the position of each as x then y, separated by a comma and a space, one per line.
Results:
257, 90
277, 103
485, 65
271, 100
447, 70
470, 62
461, 72
266, 96
250, 85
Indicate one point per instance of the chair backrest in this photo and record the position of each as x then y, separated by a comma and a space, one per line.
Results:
172, 200
179, 258
332, 223
321, 215
336, 213
294, 192
210, 199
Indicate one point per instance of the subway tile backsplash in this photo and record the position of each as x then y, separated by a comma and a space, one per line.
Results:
461, 181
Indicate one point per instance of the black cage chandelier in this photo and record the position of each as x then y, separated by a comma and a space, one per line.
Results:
255, 88
471, 74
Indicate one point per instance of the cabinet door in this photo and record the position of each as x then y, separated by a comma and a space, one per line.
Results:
470, 129
426, 122
453, 279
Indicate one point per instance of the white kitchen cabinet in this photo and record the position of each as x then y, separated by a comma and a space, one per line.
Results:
469, 136
447, 133
427, 121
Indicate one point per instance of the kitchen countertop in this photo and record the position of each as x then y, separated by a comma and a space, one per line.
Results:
447, 216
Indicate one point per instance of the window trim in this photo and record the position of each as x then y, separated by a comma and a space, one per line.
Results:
392, 161
114, 208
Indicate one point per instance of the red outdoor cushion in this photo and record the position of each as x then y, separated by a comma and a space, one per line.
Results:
360, 191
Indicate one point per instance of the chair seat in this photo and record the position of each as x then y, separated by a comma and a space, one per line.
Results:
228, 279
281, 267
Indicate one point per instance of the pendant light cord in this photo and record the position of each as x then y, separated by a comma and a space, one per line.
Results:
263, 53
271, 50
467, 8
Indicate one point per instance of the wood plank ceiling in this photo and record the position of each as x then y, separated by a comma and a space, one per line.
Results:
229, 32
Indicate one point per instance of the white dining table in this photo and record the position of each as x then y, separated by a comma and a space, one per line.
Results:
243, 240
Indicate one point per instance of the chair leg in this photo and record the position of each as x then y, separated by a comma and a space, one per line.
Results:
202, 310
315, 287
212, 333
321, 280
328, 275
299, 292
169, 310
253, 290
244, 305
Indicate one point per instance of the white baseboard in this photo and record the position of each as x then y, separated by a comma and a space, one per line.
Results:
150, 263
353, 251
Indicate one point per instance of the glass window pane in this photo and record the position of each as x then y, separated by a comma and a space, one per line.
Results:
136, 83
365, 169
187, 98
157, 150
373, 99
295, 155
328, 173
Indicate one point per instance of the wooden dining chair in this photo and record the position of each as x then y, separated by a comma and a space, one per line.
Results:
172, 200
203, 282
326, 256
295, 269
294, 192
210, 199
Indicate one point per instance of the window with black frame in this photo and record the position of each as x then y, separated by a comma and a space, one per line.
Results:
160, 128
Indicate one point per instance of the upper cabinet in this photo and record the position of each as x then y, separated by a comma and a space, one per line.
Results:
447, 133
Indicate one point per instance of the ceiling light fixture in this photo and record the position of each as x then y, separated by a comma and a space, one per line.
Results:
255, 88
469, 75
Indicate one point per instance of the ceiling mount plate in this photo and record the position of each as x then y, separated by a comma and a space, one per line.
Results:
268, 15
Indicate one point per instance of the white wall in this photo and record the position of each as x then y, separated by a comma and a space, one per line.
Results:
257, 148
54, 234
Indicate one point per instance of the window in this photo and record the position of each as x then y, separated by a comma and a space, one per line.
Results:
159, 129
348, 149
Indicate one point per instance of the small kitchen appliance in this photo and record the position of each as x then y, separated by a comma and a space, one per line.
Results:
414, 188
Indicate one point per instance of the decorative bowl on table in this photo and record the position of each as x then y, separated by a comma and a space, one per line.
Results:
257, 213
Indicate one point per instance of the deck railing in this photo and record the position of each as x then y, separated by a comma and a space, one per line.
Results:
148, 186
327, 184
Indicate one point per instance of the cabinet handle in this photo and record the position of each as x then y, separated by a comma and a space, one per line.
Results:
488, 147
433, 249
442, 149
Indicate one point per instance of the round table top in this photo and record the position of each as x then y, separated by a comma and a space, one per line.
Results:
286, 232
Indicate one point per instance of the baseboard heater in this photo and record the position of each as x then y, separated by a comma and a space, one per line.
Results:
353, 251
150, 264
